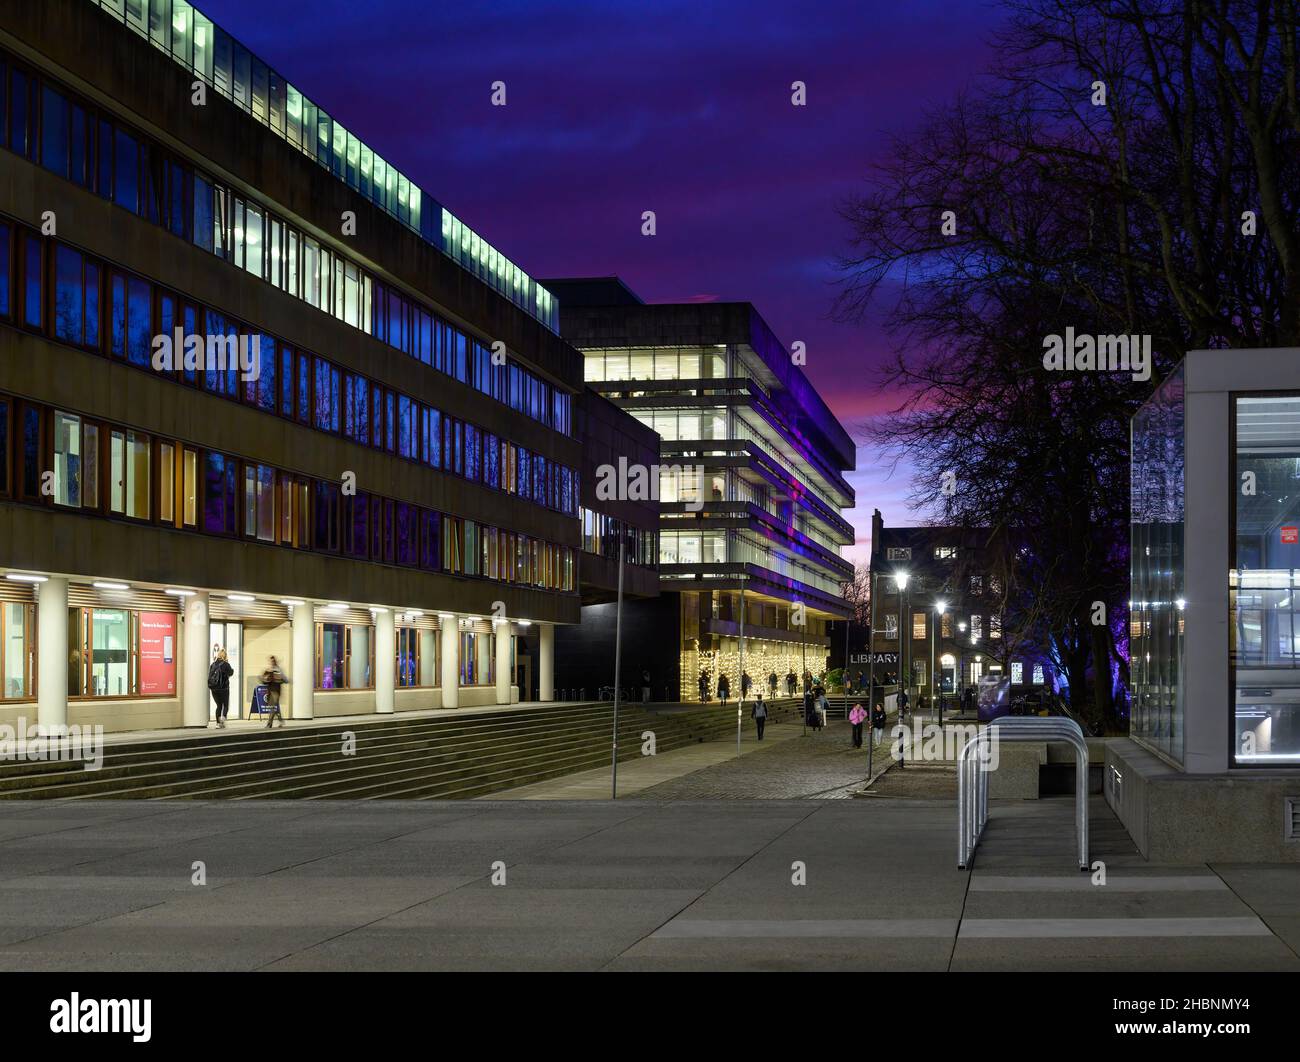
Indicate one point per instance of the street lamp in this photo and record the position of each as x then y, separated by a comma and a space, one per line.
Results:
961, 663
900, 580
940, 607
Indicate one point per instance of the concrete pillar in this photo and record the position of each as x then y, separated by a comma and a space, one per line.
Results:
385, 663
503, 632
195, 699
52, 654
302, 661
546, 662
450, 662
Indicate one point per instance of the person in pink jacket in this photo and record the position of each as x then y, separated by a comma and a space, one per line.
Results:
857, 717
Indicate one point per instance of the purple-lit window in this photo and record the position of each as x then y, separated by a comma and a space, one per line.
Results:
220, 490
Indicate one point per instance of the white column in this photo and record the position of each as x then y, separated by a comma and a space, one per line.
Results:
385, 663
52, 654
450, 662
546, 662
302, 661
195, 709
503, 632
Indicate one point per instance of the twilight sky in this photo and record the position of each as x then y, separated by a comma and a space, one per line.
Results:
681, 107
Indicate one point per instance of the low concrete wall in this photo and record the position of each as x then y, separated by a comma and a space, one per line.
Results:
1180, 818
145, 713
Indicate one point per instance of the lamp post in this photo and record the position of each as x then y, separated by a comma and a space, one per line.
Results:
961, 662
935, 626
900, 580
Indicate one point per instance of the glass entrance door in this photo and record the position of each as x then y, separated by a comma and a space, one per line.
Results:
230, 637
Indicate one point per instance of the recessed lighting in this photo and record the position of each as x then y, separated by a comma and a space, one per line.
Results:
336, 606
111, 586
240, 597
446, 616
179, 593
290, 601
18, 577
524, 623
414, 612
376, 611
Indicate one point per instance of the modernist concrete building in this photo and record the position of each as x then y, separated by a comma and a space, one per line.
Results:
1211, 769
384, 494
750, 490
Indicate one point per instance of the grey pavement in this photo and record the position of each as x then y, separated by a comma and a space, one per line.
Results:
588, 885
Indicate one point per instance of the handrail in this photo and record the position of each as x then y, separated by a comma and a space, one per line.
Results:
972, 778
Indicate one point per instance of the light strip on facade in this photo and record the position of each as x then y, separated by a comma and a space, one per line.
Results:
15, 577
111, 586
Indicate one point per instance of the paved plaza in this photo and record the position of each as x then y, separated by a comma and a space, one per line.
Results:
600, 885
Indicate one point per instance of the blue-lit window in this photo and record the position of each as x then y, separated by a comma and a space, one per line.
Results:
69, 296
54, 131
126, 171
32, 282
6, 305
327, 396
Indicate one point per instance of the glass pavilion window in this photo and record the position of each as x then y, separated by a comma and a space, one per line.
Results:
1265, 637
1156, 560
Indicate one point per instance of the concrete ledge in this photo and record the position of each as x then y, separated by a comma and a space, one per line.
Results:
1180, 818
1016, 777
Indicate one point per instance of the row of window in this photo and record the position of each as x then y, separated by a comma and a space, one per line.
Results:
183, 32
600, 535
68, 137
116, 652
116, 471
947, 626
80, 300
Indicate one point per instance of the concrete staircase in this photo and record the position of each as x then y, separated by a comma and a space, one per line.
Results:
449, 757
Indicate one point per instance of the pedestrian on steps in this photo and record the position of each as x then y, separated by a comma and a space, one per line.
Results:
759, 712
219, 683
274, 679
724, 688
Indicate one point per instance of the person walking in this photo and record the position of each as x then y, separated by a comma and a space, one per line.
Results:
704, 686
724, 688
274, 679
877, 723
857, 717
745, 683
791, 681
902, 703
772, 680
219, 683
822, 705
759, 712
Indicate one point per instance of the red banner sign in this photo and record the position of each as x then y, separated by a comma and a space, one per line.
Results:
157, 654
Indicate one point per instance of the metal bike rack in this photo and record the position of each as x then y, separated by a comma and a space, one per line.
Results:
973, 785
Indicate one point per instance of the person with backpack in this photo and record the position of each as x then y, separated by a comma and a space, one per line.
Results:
274, 678
759, 712
219, 684
877, 723
857, 717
